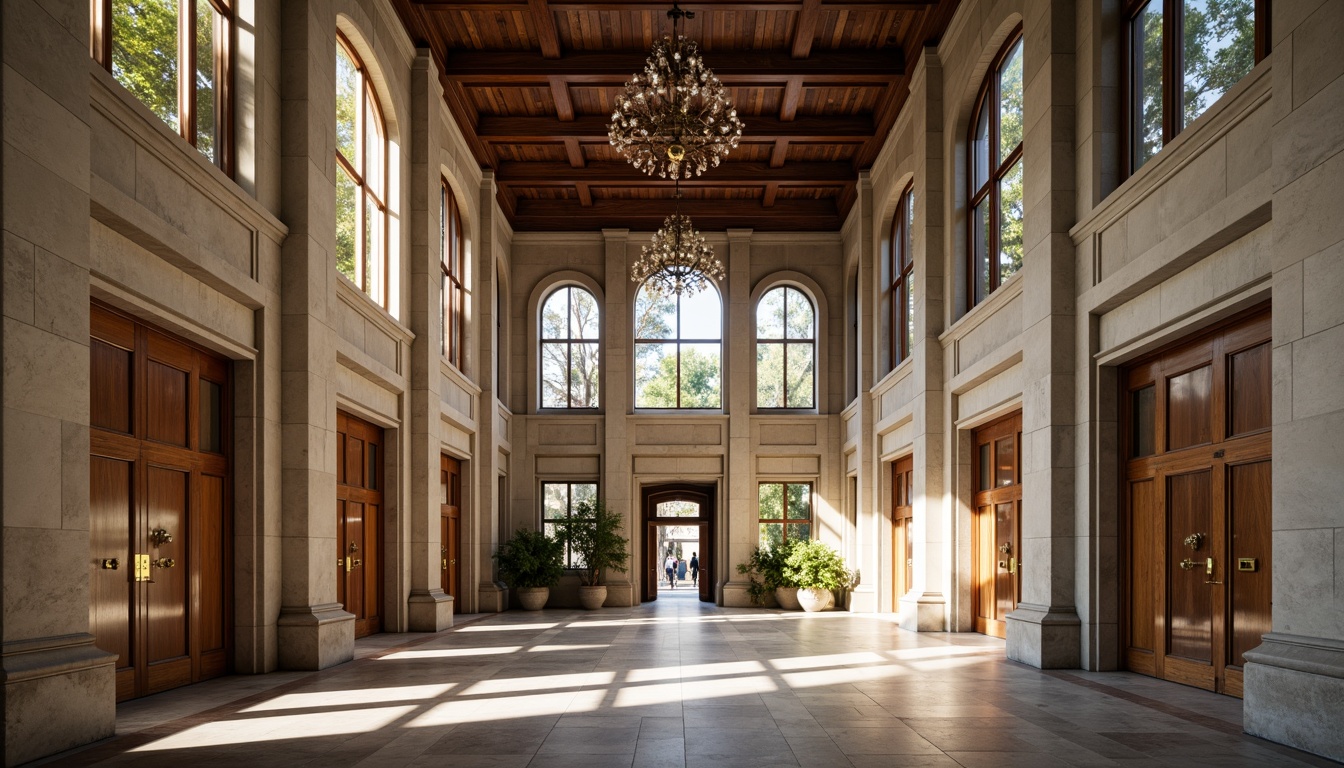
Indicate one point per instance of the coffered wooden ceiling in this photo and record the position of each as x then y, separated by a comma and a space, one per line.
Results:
818, 84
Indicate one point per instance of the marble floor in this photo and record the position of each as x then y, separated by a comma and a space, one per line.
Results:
678, 682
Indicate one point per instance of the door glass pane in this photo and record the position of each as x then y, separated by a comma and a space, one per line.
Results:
1217, 50
211, 416
1189, 408
1010, 222
1250, 406
1005, 461
1146, 98
678, 509
144, 53
207, 79
986, 468
1144, 427
1010, 102
801, 374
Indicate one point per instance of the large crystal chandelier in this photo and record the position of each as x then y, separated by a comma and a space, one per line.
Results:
678, 260
675, 117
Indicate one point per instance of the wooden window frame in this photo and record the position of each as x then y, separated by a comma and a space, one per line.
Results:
989, 89
100, 48
369, 107
901, 267
784, 519
785, 341
679, 342
568, 341
453, 291
569, 510
1173, 71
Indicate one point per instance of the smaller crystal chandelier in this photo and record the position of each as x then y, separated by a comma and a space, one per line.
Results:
678, 259
675, 117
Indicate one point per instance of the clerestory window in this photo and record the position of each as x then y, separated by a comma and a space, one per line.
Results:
570, 325
361, 177
995, 176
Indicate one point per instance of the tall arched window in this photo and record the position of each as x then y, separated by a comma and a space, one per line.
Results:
361, 177
786, 350
678, 353
898, 283
570, 326
175, 57
995, 176
452, 280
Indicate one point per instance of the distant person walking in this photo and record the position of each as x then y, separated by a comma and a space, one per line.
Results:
695, 569
681, 570
670, 568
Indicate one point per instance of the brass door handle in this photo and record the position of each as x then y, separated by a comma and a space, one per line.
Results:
111, 564
164, 562
355, 563
1208, 571
1187, 564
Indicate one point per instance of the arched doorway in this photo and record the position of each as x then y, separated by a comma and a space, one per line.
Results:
678, 506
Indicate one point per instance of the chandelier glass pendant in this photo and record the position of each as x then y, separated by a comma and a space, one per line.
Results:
678, 260
674, 118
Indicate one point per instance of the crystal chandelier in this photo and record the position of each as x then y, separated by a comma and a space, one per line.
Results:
675, 117
678, 259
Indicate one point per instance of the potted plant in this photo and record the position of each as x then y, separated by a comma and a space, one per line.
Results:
765, 575
594, 539
531, 563
817, 569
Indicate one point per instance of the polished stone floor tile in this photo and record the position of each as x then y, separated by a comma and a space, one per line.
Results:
681, 684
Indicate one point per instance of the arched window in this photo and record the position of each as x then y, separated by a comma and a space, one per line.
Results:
786, 350
899, 288
361, 177
996, 175
174, 56
678, 349
570, 325
452, 280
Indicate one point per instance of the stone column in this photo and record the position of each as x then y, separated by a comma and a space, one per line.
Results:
617, 357
1044, 630
315, 632
59, 689
1295, 679
870, 524
924, 608
429, 609
493, 596
738, 519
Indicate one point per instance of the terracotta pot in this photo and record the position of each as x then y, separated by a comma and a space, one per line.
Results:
592, 598
816, 599
787, 597
533, 598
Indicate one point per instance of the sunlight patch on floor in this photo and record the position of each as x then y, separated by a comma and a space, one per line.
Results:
539, 683
279, 728
444, 653
352, 696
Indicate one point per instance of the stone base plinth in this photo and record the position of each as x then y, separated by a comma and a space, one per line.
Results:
1045, 637
1294, 693
429, 611
60, 692
316, 636
923, 612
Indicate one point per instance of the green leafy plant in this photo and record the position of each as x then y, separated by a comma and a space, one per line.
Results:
765, 571
593, 533
531, 559
815, 565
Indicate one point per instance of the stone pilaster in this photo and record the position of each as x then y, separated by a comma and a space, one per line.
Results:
740, 516
314, 631
492, 595
1044, 630
870, 525
616, 377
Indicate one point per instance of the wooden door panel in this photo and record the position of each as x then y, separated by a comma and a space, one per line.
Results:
1249, 390
359, 499
166, 416
454, 570
110, 392
169, 609
369, 570
1190, 408
1249, 502
354, 552
996, 470
1146, 547
210, 546
1189, 606
1005, 559
705, 559
111, 518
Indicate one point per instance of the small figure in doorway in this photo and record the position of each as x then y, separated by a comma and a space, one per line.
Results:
695, 569
669, 567
681, 570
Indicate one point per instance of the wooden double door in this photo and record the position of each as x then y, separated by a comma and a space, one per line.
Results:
1197, 505
450, 527
996, 523
902, 519
678, 505
159, 501
359, 521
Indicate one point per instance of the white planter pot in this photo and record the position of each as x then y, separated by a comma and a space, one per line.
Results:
533, 598
592, 598
787, 597
816, 599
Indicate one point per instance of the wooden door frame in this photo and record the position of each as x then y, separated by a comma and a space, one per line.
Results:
345, 422
1003, 426
451, 509
902, 577
653, 495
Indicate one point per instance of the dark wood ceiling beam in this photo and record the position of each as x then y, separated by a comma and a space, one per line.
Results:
533, 174
585, 195
768, 199
494, 129
528, 68
575, 154
485, 6
708, 215
780, 153
564, 105
805, 31
546, 32
793, 96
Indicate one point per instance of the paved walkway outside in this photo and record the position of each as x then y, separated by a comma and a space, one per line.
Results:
684, 683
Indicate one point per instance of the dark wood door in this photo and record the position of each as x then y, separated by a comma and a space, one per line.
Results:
902, 517
450, 526
359, 503
702, 498
1196, 498
158, 504
996, 560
